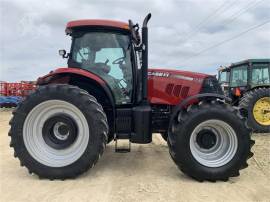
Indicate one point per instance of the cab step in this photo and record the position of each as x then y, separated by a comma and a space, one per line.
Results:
122, 138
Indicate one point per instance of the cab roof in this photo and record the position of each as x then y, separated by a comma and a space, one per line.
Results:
97, 23
266, 60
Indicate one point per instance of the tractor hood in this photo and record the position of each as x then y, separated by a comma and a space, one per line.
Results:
167, 86
180, 74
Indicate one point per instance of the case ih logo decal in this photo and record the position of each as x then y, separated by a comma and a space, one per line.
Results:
159, 74
177, 76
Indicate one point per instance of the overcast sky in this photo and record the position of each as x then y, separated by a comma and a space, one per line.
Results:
184, 34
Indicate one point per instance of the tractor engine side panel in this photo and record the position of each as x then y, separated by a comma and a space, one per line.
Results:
170, 87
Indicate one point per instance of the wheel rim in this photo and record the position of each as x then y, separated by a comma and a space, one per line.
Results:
213, 143
39, 147
261, 111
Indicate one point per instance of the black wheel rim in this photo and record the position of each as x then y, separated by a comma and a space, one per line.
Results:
206, 139
59, 132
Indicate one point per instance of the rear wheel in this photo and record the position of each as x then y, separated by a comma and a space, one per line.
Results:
59, 131
210, 141
256, 106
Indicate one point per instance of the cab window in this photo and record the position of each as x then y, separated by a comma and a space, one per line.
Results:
107, 55
224, 76
260, 74
239, 76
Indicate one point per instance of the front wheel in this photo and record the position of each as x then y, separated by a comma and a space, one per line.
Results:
210, 141
59, 131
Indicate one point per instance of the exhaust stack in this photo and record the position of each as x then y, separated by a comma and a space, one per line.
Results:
145, 57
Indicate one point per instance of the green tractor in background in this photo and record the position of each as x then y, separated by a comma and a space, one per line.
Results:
247, 83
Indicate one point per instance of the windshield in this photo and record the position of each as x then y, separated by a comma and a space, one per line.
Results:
108, 56
223, 77
239, 76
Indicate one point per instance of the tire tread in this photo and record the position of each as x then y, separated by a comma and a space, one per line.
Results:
90, 106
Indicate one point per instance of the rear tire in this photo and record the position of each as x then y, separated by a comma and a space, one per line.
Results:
210, 142
256, 107
58, 132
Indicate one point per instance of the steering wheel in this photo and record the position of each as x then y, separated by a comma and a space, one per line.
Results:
118, 61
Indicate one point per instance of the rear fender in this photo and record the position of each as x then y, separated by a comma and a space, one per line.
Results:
69, 75
64, 71
88, 81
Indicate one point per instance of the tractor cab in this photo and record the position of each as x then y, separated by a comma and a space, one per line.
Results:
247, 75
116, 54
104, 48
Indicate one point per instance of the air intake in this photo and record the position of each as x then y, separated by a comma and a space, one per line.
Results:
177, 90
169, 88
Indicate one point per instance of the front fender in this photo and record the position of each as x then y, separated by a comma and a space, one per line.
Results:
193, 99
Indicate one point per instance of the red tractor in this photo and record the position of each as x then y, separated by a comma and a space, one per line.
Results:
107, 92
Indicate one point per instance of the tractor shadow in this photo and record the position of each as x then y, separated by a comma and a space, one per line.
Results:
151, 160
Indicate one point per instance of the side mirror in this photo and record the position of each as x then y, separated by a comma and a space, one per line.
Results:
63, 53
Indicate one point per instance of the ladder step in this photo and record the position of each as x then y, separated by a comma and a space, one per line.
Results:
122, 149
122, 136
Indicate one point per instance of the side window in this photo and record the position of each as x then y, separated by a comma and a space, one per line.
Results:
239, 76
80, 51
81, 55
120, 75
110, 55
260, 74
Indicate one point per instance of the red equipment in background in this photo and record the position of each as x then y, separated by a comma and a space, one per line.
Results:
21, 89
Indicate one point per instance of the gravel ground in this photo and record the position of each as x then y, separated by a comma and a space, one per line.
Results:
147, 173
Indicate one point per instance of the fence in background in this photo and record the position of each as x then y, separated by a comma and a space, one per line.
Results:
21, 89
11, 94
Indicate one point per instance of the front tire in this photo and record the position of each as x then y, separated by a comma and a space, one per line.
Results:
59, 131
210, 141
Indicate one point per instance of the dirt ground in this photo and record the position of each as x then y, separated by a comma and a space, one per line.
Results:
147, 173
